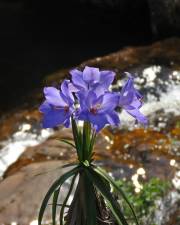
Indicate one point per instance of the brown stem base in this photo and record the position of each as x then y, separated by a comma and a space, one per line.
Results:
77, 212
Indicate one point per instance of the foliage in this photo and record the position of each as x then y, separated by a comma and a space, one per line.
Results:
177, 124
144, 202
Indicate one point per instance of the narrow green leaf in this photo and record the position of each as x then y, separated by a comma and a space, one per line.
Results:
112, 204
86, 139
118, 189
88, 131
54, 186
91, 144
80, 138
66, 199
74, 213
86, 163
77, 138
84, 142
69, 165
66, 206
68, 142
54, 205
57, 168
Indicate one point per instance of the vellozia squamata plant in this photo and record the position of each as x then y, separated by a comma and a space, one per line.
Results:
87, 98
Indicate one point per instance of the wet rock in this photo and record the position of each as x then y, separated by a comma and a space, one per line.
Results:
22, 193
140, 148
12, 122
122, 5
164, 213
165, 17
164, 53
51, 149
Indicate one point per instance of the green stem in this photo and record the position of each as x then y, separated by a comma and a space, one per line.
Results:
91, 145
86, 140
77, 139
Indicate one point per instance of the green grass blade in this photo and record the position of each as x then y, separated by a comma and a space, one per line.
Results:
57, 168
84, 142
112, 204
118, 189
54, 205
66, 199
91, 144
80, 137
75, 133
66, 206
68, 142
86, 138
88, 130
69, 165
54, 186
77, 138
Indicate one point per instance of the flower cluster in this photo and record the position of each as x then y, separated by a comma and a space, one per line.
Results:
87, 97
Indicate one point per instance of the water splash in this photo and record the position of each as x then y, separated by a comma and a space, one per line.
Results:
24, 137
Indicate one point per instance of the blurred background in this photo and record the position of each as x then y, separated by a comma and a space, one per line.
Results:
40, 41
38, 37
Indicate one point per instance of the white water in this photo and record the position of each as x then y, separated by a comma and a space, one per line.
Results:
168, 102
20, 140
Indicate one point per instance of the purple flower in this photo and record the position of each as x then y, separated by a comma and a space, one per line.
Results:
58, 106
92, 79
130, 100
97, 104
99, 111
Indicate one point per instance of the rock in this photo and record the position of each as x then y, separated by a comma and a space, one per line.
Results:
51, 149
121, 5
164, 53
11, 122
165, 17
22, 193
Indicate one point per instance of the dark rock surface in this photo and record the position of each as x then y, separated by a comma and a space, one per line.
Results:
164, 53
38, 38
165, 17
34, 45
